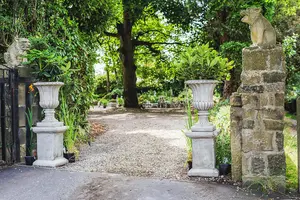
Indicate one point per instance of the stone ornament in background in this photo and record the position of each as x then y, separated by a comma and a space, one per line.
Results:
50, 131
203, 133
262, 32
16, 52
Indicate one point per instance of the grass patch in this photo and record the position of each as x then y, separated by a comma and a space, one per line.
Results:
290, 147
290, 116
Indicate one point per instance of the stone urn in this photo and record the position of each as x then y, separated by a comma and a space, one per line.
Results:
203, 91
203, 133
50, 130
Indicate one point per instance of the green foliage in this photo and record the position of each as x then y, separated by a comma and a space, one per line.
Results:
104, 102
190, 121
220, 117
28, 115
69, 118
120, 101
291, 45
60, 51
203, 62
290, 148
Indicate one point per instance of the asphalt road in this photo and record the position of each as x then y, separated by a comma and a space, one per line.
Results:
29, 183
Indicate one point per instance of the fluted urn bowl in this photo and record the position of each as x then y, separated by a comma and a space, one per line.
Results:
203, 91
48, 92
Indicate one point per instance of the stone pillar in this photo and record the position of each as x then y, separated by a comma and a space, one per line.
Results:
262, 98
236, 113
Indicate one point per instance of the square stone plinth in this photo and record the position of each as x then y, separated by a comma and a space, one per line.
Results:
203, 150
50, 146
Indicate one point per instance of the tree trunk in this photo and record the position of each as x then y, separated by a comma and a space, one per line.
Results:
127, 58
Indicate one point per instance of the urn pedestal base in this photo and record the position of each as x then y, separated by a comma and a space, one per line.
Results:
50, 146
204, 159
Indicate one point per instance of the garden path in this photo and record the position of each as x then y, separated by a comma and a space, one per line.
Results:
137, 144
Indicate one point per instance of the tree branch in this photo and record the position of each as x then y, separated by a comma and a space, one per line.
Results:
149, 45
139, 34
111, 34
146, 43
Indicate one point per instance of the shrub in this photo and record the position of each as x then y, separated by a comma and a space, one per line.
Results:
203, 62
220, 117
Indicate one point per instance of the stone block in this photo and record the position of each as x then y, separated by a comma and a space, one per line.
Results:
273, 76
25, 72
236, 100
279, 99
22, 116
250, 101
236, 147
236, 113
251, 77
273, 124
277, 59
257, 140
258, 166
276, 164
248, 124
271, 113
274, 87
250, 114
266, 100
279, 140
262, 183
251, 89
21, 94
246, 163
255, 59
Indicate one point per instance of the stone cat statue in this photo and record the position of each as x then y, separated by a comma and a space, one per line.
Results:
262, 32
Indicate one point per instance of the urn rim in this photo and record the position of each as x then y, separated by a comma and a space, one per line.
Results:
202, 81
48, 84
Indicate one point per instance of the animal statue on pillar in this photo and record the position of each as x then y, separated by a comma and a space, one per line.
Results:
262, 32
16, 52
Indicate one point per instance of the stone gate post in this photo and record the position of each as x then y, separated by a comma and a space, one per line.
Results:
259, 123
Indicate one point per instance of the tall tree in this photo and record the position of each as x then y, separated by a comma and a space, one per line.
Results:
128, 13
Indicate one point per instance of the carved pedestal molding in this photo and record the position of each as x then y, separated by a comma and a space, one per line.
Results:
50, 130
203, 133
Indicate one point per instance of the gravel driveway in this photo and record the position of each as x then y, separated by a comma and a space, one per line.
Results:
137, 144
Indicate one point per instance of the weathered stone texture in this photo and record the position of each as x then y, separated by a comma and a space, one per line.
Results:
273, 113
273, 124
248, 124
273, 77
279, 99
236, 114
258, 166
276, 164
257, 117
279, 140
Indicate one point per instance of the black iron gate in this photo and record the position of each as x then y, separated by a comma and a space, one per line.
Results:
9, 113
